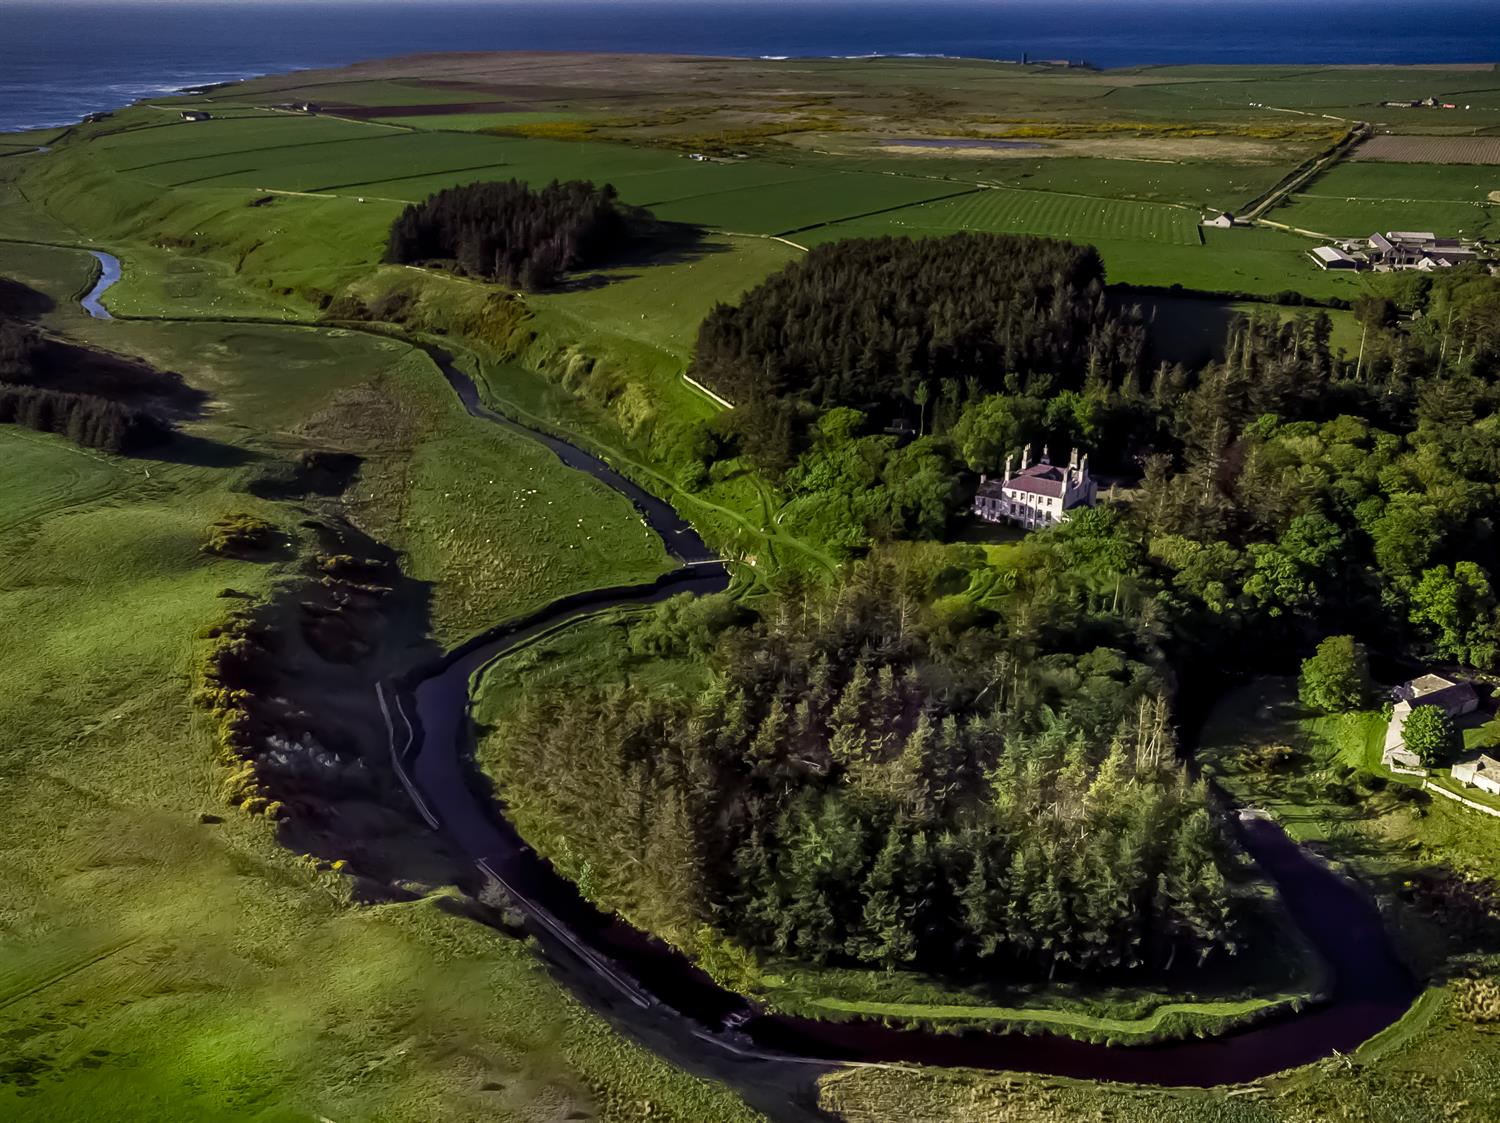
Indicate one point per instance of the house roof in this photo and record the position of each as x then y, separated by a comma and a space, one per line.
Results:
1039, 479
1435, 690
991, 489
1331, 254
1379, 242
1418, 236
1482, 765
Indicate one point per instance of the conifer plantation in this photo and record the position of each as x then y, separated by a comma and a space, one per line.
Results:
511, 233
871, 778
883, 324
35, 396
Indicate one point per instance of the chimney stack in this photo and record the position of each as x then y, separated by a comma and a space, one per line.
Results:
1026, 457
1008, 460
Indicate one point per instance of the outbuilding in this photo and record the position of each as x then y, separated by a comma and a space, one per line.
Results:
1331, 257
196, 115
1482, 772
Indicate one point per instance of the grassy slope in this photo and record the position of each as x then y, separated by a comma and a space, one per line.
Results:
156, 965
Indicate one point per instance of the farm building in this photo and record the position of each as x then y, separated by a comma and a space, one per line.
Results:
1222, 221
1331, 257
1483, 772
196, 115
1040, 494
1396, 249
1457, 698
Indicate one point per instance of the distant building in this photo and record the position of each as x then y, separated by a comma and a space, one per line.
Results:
1040, 494
1482, 772
1455, 698
1396, 249
1223, 221
196, 115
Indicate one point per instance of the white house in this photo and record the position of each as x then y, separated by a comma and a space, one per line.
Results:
1482, 772
1040, 494
1457, 698
1222, 221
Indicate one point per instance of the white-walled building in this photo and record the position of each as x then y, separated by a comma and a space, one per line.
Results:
1483, 772
1040, 494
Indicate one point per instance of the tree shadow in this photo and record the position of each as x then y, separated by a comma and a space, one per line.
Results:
191, 450
23, 301
668, 243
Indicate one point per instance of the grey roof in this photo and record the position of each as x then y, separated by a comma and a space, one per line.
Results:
990, 489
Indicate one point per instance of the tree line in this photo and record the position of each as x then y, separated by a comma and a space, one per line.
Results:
509, 232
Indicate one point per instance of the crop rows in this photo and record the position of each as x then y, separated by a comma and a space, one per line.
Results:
1430, 149
781, 208
1075, 217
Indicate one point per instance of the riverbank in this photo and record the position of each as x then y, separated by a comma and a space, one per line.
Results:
173, 955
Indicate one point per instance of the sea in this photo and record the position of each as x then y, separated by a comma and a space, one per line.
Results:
61, 59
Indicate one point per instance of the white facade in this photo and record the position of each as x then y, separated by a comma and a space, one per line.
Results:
1482, 772
1039, 494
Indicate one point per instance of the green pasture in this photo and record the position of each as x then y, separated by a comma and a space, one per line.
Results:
483, 122
789, 207
1222, 186
1378, 181
290, 88
661, 305
1075, 217
1342, 218
153, 964
1358, 199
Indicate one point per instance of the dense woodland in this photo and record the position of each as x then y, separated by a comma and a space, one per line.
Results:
511, 233
963, 759
892, 773
893, 325
35, 394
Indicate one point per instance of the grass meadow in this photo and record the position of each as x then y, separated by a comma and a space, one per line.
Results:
1358, 199
157, 963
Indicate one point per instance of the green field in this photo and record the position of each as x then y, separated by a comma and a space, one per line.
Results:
1075, 217
1358, 199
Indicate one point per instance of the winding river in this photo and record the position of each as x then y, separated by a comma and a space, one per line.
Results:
657, 994
109, 275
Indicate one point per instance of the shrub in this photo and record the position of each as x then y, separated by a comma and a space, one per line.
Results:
1428, 731
1477, 1000
238, 535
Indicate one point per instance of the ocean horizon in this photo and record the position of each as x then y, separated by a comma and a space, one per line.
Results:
62, 60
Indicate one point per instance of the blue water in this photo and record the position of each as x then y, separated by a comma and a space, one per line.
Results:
64, 58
